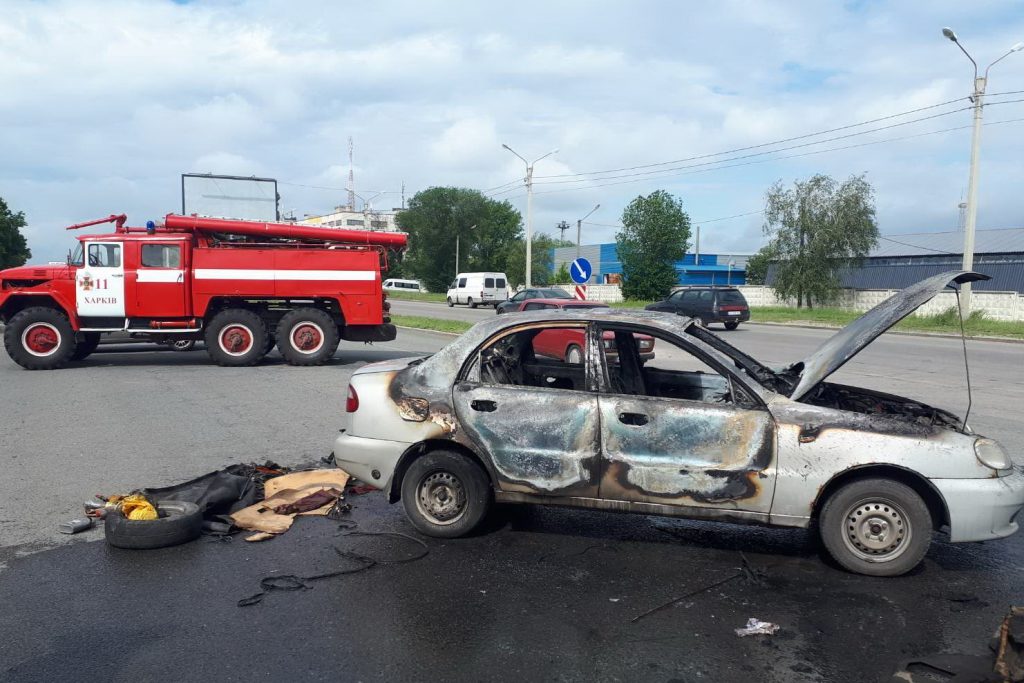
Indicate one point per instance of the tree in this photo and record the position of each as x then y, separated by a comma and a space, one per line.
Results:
757, 265
14, 249
437, 215
542, 257
562, 275
654, 236
817, 228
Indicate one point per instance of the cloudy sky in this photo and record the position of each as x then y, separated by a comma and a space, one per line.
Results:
105, 104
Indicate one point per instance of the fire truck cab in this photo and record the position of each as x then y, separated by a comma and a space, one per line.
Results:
239, 286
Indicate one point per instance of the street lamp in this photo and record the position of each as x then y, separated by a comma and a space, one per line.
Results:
579, 227
972, 184
529, 210
457, 249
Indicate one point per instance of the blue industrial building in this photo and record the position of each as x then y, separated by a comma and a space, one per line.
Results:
694, 269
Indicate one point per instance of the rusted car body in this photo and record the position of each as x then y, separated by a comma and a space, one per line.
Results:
733, 441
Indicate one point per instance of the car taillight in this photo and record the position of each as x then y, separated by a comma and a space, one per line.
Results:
352, 404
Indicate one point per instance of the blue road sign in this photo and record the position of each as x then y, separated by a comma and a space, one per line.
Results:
581, 270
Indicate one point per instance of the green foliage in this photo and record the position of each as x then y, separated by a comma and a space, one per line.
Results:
437, 215
655, 235
757, 265
817, 228
14, 249
543, 263
562, 275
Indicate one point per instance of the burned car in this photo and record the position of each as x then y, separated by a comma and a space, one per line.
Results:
703, 431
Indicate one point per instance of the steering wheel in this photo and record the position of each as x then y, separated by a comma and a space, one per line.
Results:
94, 260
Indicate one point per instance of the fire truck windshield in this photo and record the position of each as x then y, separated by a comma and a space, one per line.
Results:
76, 259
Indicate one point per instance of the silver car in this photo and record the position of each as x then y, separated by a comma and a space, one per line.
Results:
701, 431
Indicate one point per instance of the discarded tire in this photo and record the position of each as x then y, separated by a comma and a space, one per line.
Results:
183, 522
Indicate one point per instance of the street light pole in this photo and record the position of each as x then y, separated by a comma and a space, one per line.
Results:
529, 210
980, 82
579, 228
457, 249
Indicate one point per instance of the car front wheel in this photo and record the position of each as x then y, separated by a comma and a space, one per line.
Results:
450, 302
877, 527
445, 494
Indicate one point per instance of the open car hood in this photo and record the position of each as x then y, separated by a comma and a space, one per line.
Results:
849, 341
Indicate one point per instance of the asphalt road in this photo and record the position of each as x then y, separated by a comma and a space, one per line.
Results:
539, 594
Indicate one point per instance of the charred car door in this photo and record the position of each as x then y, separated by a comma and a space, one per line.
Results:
681, 429
534, 416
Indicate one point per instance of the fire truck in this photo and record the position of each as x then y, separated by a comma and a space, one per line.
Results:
239, 286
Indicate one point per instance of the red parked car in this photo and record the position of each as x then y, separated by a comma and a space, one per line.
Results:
567, 344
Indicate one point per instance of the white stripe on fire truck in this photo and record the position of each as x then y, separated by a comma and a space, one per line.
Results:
245, 274
160, 275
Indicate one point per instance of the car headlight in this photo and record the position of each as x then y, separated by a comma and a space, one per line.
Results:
991, 454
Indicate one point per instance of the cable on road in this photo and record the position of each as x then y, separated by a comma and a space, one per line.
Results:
293, 582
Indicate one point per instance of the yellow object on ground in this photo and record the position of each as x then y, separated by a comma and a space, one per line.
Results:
136, 507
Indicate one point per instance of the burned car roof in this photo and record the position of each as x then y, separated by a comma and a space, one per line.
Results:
446, 363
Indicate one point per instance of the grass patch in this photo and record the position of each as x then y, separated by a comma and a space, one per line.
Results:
947, 322
435, 324
418, 296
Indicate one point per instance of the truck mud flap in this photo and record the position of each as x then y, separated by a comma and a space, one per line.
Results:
369, 333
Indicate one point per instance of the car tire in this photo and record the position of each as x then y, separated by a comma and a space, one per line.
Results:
87, 343
182, 345
307, 336
574, 355
877, 527
236, 337
731, 325
445, 494
40, 338
450, 302
182, 522
472, 304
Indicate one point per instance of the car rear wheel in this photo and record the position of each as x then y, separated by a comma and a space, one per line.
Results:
731, 325
40, 338
877, 527
472, 304
236, 337
445, 494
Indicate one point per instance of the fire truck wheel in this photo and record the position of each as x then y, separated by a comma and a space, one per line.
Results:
179, 522
40, 338
87, 343
307, 336
236, 337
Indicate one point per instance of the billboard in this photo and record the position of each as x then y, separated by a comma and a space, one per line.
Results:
226, 196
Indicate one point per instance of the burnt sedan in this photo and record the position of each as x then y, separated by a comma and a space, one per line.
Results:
701, 431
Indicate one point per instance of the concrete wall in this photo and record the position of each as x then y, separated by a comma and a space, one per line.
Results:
1007, 306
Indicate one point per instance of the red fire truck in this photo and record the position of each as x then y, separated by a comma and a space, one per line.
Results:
240, 286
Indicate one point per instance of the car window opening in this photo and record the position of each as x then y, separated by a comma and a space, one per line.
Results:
658, 367
549, 358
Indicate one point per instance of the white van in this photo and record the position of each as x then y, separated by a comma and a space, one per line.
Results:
396, 285
476, 289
